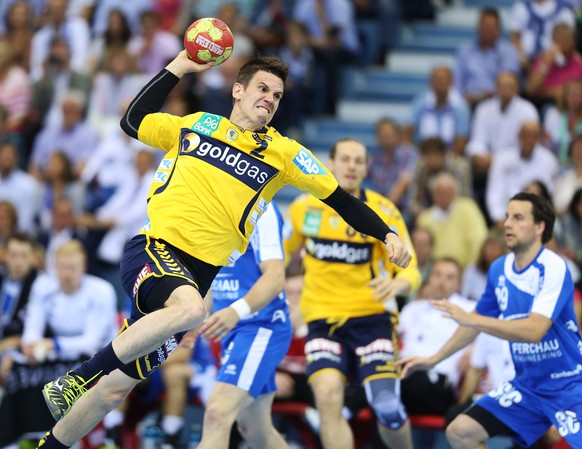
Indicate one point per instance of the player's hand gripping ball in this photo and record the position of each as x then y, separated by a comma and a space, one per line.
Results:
207, 40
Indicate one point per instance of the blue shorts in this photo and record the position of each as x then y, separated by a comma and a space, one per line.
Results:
530, 414
362, 348
251, 354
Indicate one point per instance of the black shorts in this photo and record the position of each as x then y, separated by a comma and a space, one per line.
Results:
150, 270
362, 348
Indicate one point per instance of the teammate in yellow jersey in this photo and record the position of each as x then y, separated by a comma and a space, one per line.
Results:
349, 304
214, 183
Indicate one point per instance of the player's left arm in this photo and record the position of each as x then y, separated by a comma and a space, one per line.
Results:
527, 330
267, 287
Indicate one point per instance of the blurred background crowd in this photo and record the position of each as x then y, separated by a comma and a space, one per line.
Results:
461, 104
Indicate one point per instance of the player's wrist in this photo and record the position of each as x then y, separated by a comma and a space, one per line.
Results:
242, 308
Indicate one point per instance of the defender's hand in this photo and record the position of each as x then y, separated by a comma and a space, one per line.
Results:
219, 324
397, 252
412, 364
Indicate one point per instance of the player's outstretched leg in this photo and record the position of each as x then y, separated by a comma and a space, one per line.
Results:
184, 310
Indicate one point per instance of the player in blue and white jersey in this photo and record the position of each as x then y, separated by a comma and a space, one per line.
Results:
251, 319
528, 300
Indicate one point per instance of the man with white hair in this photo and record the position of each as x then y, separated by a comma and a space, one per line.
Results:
74, 137
514, 168
457, 224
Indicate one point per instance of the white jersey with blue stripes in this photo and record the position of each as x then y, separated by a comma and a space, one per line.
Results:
235, 280
544, 287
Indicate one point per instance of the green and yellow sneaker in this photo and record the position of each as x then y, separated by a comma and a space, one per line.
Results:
61, 394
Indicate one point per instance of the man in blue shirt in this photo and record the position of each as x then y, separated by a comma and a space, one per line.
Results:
255, 337
479, 62
528, 300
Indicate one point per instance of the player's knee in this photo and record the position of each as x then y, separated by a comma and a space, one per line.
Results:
328, 396
389, 410
459, 436
216, 415
189, 310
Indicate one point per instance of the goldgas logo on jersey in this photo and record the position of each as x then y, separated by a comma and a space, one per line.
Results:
245, 168
337, 251
308, 164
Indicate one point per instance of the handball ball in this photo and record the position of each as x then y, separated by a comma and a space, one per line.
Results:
208, 40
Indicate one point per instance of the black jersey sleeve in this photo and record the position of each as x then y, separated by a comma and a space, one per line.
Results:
150, 99
357, 214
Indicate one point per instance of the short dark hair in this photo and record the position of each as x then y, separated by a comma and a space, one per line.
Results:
333, 149
433, 145
573, 205
489, 11
270, 64
542, 210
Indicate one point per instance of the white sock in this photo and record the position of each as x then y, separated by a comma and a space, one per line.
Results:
172, 424
112, 419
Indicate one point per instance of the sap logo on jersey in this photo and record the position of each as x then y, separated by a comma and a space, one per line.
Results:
308, 164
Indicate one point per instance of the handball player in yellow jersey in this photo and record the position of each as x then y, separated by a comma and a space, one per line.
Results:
348, 301
214, 183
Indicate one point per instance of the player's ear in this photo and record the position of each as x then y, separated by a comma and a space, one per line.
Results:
237, 90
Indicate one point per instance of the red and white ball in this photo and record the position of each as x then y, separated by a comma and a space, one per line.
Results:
208, 39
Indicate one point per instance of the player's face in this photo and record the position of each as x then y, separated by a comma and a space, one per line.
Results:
444, 280
257, 103
520, 229
349, 165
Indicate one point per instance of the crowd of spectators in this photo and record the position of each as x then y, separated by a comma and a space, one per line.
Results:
506, 117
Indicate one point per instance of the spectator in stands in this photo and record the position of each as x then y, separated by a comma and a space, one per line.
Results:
298, 56
131, 10
153, 47
18, 187
118, 219
434, 158
14, 89
73, 30
531, 23
107, 166
497, 121
441, 112
513, 168
455, 221
8, 225
75, 137
19, 31
570, 179
58, 181
62, 230
113, 87
475, 274
555, 67
569, 235
391, 169
422, 330
70, 316
58, 79
335, 42
15, 285
423, 243
269, 20
563, 121
480, 62
115, 38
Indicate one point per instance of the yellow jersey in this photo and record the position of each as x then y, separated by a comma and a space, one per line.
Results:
216, 179
340, 262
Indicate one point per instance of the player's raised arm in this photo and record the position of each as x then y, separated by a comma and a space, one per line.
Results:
151, 98
363, 219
